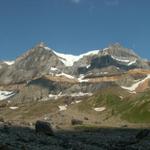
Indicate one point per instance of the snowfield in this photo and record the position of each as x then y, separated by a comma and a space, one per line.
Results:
69, 59
6, 94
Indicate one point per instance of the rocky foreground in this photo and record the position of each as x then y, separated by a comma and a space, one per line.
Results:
18, 137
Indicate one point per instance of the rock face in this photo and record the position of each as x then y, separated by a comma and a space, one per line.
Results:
119, 51
115, 56
44, 127
34, 63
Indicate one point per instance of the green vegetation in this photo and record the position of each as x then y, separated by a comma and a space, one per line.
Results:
139, 109
135, 109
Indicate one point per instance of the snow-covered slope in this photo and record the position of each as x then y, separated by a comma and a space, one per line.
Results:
5, 94
121, 60
136, 85
9, 62
69, 59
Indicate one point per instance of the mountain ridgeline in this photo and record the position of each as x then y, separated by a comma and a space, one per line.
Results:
41, 60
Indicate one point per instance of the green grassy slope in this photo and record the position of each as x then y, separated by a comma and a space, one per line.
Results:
135, 109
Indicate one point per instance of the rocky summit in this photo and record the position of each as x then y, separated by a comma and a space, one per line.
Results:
103, 94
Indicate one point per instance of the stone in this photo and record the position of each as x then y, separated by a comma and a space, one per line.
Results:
1, 119
43, 127
142, 134
86, 118
4, 147
76, 122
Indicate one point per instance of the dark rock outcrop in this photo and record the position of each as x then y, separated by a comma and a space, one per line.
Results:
43, 127
142, 134
76, 122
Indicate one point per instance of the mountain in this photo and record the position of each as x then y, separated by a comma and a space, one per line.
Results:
43, 75
42, 60
34, 63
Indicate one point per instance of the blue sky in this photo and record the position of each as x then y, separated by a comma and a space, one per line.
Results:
73, 26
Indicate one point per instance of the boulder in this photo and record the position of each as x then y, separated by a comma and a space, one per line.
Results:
1, 119
4, 147
142, 134
43, 127
86, 118
76, 122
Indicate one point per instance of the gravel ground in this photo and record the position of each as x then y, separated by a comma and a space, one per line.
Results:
25, 138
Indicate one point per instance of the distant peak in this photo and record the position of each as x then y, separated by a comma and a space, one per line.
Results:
118, 48
115, 45
41, 44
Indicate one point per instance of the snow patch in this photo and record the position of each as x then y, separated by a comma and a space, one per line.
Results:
81, 78
132, 62
121, 60
80, 94
103, 73
66, 75
9, 62
78, 102
53, 96
53, 69
13, 108
99, 109
68, 59
134, 86
117, 68
88, 66
62, 108
132, 92
121, 97
6, 94
72, 103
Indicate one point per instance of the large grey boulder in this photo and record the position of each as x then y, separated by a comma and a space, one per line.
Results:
43, 127
76, 122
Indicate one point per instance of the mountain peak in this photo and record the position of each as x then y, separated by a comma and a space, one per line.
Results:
115, 45
40, 45
118, 50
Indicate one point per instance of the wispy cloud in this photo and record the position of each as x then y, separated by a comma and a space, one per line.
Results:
76, 1
111, 2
